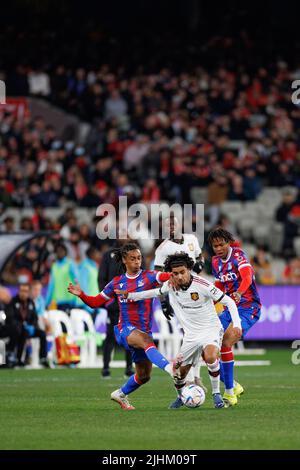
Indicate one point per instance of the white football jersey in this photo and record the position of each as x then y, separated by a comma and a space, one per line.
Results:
190, 246
194, 307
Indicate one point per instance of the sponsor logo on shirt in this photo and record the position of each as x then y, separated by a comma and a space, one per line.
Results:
228, 277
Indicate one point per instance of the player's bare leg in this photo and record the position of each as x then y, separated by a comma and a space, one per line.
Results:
231, 336
180, 381
211, 357
142, 376
139, 339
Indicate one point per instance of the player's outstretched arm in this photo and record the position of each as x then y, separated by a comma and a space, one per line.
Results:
75, 289
146, 294
91, 301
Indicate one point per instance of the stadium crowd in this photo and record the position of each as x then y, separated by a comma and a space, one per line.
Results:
157, 133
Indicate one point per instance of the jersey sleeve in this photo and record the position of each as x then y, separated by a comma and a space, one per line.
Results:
154, 278
198, 250
108, 291
241, 260
211, 291
160, 257
145, 294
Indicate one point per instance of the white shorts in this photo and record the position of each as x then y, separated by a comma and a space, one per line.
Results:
192, 348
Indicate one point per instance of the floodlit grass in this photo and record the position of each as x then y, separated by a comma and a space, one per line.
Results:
71, 409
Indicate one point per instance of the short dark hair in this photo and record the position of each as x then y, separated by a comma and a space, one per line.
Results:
220, 233
61, 245
178, 259
123, 250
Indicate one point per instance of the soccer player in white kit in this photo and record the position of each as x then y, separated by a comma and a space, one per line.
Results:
193, 297
189, 244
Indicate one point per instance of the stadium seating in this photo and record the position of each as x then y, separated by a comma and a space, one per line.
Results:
85, 338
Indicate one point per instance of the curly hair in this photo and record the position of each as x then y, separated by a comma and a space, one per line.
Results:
178, 259
120, 253
220, 233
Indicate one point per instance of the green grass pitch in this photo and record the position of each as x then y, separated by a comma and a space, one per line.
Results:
71, 409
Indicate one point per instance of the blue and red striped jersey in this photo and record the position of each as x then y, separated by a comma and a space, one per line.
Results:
140, 313
227, 271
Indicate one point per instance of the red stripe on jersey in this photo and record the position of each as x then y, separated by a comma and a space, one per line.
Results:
151, 345
132, 307
201, 282
226, 354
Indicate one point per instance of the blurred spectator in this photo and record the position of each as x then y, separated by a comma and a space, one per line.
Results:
263, 267
289, 214
8, 225
22, 322
63, 271
76, 248
89, 269
40, 306
292, 272
115, 106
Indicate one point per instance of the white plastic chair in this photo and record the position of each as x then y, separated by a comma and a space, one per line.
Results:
88, 349
56, 319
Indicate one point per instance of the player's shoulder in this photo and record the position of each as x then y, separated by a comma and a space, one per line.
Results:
215, 261
119, 278
162, 245
238, 254
190, 237
200, 282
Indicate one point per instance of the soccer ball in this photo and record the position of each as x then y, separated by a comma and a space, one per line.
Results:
192, 396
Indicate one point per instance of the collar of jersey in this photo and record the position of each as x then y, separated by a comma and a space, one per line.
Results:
133, 277
228, 257
181, 241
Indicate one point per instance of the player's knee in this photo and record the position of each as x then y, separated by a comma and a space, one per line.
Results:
210, 358
144, 378
147, 341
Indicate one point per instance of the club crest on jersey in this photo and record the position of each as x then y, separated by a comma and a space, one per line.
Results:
191, 246
140, 283
195, 296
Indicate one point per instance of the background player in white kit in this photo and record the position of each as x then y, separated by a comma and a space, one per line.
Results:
187, 243
193, 297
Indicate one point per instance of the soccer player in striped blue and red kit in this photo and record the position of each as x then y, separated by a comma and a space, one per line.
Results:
133, 331
234, 275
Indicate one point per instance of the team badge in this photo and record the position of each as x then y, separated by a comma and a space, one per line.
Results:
140, 283
195, 296
191, 247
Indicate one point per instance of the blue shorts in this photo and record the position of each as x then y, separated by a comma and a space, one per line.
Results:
249, 316
137, 354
